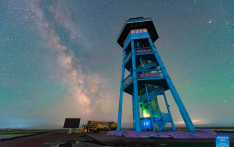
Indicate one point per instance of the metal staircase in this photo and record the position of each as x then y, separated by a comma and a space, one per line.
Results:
164, 117
152, 95
150, 65
161, 123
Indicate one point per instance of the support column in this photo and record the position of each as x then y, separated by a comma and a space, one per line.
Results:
121, 94
168, 109
151, 114
176, 96
133, 110
135, 90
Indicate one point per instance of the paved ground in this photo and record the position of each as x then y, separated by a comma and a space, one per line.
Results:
30, 141
52, 139
79, 140
55, 139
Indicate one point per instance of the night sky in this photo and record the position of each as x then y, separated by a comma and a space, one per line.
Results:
60, 59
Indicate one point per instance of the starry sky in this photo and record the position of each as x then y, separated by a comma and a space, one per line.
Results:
60, 59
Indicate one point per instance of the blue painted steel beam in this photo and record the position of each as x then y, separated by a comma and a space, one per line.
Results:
151, 114
133, 110
168, 109
176, 96
141, 65
135, 91
121, 94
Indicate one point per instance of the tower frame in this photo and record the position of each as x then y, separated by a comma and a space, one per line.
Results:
136, 38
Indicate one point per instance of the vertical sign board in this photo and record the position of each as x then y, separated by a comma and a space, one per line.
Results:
72, 123
222, 140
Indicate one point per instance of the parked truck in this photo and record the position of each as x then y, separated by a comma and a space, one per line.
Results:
97, 126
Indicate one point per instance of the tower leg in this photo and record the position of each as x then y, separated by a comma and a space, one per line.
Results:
168, 109
151, 114
135, 90
121, 95
176, 96
133, 110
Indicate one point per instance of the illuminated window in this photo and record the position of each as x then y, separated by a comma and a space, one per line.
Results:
138, 51
147, 75
149, 50
142, 75
158, 74
145, 50
152, 75
142, 51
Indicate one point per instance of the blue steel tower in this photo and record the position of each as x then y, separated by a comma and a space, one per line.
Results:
148, 78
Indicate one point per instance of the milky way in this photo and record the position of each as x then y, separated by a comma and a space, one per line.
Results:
60, 59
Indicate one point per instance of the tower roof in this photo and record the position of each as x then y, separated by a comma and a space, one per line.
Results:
137, 23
